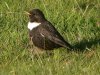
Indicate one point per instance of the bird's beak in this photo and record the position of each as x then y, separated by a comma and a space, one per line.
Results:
27, 13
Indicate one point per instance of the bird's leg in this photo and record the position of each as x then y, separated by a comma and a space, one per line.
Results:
31, 47
34, 50
38, 51
30, 42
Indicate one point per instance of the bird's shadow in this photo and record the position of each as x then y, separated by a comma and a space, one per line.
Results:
82, 45
88, 43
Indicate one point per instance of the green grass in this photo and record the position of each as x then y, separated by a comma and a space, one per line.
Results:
78, 21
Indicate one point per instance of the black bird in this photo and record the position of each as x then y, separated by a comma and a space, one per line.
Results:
43, 34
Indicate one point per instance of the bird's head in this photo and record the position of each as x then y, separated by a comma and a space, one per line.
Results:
36, 15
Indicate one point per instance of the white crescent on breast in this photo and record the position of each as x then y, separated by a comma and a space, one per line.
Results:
32, 25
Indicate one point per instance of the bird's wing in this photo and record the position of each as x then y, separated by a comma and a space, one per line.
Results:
49, 31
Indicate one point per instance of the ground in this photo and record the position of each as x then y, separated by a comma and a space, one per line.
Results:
78, 21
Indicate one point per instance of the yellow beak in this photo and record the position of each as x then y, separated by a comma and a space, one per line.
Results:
27, 13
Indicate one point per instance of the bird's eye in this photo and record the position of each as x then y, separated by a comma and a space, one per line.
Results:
33, 14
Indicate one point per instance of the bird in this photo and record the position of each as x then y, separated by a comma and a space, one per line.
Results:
43, 34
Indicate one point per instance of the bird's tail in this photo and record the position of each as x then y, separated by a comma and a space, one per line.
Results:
68, 46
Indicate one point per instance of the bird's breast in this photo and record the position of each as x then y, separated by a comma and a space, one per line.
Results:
32, 25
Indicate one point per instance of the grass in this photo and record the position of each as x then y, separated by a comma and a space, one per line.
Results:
77, 20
